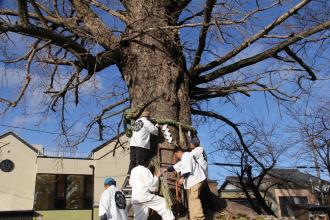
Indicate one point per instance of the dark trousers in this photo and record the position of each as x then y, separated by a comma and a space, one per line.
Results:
208, 198
137, 154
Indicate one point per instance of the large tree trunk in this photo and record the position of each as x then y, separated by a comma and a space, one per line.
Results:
152, 66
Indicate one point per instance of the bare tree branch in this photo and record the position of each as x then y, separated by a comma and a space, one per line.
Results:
203, 33
234, 126
23, 12
191, 17
301, 62
102, 34
252, 39
117, 14
261, 56
39, 13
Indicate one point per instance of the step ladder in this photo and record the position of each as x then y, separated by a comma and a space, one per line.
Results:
127, 189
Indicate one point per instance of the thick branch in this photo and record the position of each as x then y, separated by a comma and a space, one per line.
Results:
101, 33
86, 60
44, 34
261, 56
251, 40
23, 12
203, 33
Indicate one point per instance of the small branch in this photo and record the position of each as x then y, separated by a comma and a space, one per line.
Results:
31, 16
61, 94
107, 109
301, 62
35, 49
38, 12
25, 56
231, 124
110, 11
191, 17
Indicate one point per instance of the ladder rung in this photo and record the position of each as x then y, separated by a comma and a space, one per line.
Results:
164, 148
166, 163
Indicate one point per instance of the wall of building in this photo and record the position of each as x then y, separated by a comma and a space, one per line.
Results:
17, 186
293, 193
64, 165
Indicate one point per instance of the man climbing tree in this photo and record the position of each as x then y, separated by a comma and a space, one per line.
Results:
172, 56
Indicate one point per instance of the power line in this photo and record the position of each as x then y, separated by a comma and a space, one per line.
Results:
293, 167
226, 164
42, 131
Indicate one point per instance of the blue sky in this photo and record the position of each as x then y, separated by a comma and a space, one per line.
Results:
44, 125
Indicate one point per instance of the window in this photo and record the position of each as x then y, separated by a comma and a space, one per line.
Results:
287, 204
45, 192
7, 165
62, 191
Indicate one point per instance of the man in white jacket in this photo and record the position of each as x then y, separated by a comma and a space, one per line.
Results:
143, 183
140, 140
112, 202
207, 197
199, 154
193, 179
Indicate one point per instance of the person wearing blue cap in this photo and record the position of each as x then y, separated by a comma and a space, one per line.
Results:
112, 202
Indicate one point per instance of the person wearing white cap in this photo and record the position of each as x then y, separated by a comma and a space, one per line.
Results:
143, 185
112, 202
140, 140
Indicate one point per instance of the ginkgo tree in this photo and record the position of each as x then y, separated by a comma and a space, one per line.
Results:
172, 55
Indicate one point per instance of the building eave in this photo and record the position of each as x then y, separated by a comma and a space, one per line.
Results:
20, 139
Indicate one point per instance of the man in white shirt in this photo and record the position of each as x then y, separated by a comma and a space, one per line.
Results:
143, 183
192, 178
112, 202
140, 140
199, 154
207, 197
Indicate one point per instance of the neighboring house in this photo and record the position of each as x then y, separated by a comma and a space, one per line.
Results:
285, 190
231, 190
31, 180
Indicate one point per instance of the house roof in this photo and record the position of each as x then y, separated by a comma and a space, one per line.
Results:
294, 176
107, 142
288, 176
19, 138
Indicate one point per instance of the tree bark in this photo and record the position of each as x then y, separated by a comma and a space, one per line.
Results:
153, 66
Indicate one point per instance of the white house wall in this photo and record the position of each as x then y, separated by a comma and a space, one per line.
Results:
17, 187
64, 166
